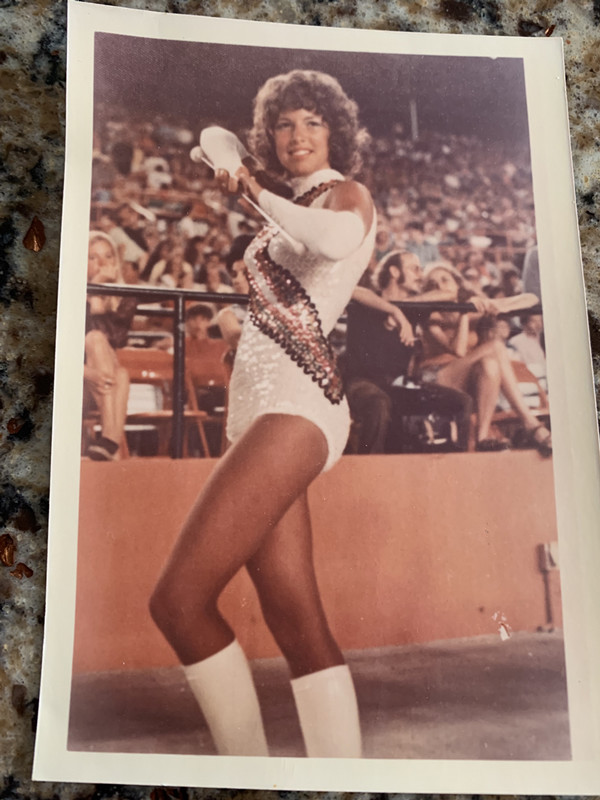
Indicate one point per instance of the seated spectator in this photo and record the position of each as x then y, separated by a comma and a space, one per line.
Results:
198, 319
454, 357
159, 253
384, 241
194, 254
128, 249
132, 218
157, 169
510, 281
528, 346
108, 320
377, 364
196, 222
212, 277
479, 273
130, 273
231, 317
173, 271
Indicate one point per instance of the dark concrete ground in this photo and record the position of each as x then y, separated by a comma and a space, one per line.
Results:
478, 698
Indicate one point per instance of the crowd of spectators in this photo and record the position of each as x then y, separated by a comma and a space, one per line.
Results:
445, 198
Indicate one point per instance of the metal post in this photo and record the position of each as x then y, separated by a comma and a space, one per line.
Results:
178, 378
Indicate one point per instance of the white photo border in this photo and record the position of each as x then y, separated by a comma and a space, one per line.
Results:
576, 461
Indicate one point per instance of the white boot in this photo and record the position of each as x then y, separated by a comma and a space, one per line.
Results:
326, 704
223, 686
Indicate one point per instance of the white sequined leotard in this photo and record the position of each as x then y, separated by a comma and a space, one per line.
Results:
284, 363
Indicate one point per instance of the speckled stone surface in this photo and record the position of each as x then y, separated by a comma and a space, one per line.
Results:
32, 86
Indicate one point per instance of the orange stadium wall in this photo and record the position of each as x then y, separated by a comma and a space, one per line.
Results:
410, 548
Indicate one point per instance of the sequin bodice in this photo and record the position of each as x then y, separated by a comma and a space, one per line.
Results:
296, 299
329, 284
284, 362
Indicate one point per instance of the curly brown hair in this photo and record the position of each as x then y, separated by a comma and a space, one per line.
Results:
316, 92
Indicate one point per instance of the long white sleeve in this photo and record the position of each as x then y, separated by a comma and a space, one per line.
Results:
332, 234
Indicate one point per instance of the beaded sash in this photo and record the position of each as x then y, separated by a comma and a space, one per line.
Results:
293, 320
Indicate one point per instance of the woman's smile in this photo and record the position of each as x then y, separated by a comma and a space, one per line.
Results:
301, 142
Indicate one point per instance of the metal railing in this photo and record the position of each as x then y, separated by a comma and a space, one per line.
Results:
180, 296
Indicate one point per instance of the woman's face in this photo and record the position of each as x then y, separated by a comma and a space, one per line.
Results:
177, 254
213, 270
443, 280
239, 281
301, 140
503, 329
102, 262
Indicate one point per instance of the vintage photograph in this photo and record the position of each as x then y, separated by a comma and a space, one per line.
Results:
316, 512
320, 514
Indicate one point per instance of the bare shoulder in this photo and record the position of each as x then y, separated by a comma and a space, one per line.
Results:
352, 196
348, 194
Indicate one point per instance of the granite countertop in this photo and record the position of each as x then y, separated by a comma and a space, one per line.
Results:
32, 81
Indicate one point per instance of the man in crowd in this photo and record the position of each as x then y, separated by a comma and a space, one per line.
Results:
132, 217
377, 365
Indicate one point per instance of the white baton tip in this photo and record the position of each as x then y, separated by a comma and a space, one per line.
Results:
197, 155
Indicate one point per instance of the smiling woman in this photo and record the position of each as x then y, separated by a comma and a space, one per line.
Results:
301, 141
288, 422
323, 102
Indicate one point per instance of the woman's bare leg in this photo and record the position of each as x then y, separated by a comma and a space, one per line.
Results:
282, 571
111, 403
487, 383
121, 397
482, 365
457, 373
510, 388
249, 492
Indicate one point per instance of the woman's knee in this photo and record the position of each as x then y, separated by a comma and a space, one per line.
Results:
95, 341
174, 606
122, 377
163, 604
489, 366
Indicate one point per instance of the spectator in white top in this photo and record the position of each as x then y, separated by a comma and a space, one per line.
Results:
196, 222
528, 344
127, 248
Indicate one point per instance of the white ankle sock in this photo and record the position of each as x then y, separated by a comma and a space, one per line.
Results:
328, 712
223, 686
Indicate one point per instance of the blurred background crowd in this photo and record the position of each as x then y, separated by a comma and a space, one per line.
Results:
448, 199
